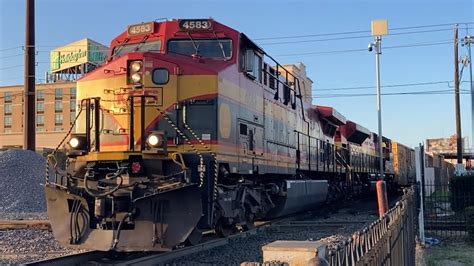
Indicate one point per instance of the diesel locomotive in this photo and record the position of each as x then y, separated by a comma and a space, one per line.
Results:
190, 126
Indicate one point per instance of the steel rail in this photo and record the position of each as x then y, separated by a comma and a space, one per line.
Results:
24, 224
72, 259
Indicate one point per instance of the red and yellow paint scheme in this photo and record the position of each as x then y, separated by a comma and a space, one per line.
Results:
190, 126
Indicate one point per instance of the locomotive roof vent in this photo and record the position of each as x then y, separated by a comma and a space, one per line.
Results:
354, 132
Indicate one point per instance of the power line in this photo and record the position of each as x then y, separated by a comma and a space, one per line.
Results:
359, 31
9, 56
432, 92
3, 68
360, 50
386, 86
10, 48
351, 37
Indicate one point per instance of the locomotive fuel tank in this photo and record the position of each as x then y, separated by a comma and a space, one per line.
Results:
299, 195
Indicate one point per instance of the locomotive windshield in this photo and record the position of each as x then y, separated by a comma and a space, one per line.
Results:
153, 46
205, 48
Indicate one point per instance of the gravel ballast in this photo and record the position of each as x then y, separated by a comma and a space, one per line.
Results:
22, 175
28, 245
249, 249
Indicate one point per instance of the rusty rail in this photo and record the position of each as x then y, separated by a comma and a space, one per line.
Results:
24, 224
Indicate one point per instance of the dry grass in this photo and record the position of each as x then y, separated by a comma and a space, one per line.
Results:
450, 253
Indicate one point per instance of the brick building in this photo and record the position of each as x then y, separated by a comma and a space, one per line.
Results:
55, 110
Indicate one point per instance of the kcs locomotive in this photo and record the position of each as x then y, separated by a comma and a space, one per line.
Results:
190, 126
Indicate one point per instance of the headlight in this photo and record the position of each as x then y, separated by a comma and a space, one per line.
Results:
154, 140
78, 142
136, 66
156, 143
136, 78
74, 142
135, 72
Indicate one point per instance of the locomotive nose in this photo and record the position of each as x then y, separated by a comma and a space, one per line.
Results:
158, 223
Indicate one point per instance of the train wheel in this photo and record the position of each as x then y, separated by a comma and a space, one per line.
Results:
225, 230
194, 238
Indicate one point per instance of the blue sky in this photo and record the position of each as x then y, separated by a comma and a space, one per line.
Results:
409, 118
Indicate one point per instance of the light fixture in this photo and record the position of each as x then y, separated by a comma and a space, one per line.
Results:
136, 77
78, 142
155, 143
136, 66
74, 142
135, 72
154, 140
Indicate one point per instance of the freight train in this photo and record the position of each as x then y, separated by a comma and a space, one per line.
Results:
190, 126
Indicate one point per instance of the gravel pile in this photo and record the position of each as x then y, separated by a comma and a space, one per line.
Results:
27, 245
22, 175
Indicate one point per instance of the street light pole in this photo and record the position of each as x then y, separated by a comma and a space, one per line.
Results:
379, 28
378, 51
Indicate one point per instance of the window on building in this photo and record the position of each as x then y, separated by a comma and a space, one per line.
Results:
72, 93
58, 119
39, 129
58, 106
72, 105
40, 107
58, 128
7, 121
40, 95
39, 120
72, 117
7, 130
7, 96
8, 108
58, 93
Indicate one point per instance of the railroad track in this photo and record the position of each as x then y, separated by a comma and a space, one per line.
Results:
24, 224
137, 258
154, 258
293, 222
146, 258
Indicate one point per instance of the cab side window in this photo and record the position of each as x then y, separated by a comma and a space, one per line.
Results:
251, 63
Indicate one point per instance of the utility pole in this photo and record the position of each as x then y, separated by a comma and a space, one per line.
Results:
29, 129
459, 166
468, 40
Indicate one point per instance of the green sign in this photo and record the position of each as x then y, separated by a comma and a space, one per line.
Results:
66, 58
54, 59
96, 53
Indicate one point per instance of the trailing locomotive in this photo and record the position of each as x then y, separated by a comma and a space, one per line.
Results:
190, 126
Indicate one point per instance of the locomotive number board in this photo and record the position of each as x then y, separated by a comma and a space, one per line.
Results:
195, 24
142, 28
